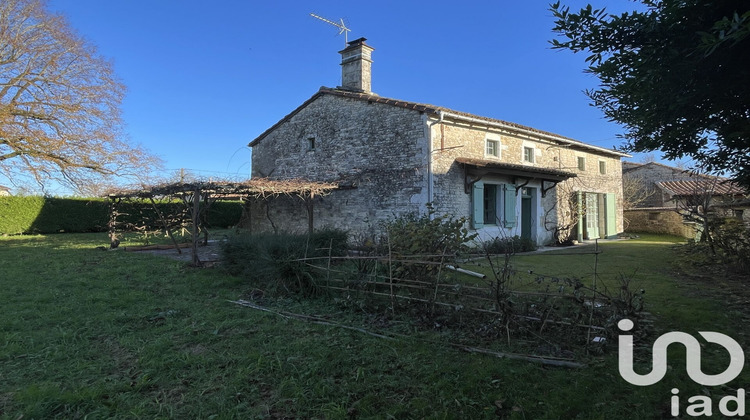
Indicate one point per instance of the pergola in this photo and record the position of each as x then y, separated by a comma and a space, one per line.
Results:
198, 196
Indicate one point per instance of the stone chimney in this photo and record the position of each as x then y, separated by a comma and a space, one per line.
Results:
356, 66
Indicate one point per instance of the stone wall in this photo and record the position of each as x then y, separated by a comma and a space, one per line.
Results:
659, 221
378, 150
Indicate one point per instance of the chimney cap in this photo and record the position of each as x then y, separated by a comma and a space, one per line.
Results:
357, 43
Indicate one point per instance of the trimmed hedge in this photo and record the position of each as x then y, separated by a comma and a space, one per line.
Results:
35, 214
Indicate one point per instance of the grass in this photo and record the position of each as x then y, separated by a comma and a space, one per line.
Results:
89, 333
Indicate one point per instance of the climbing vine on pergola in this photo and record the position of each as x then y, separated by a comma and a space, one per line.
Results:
197, 197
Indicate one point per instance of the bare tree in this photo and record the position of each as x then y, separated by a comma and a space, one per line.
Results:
562, 222
59, 104
635, 192
696, 205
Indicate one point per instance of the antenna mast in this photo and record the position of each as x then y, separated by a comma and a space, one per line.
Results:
342, 26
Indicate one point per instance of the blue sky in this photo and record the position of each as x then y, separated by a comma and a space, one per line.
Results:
205, 78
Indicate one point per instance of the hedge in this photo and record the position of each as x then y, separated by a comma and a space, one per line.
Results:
35, 214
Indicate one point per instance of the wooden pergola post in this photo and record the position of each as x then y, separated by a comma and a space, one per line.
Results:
112, 224
165, 225
310, 208
195, 228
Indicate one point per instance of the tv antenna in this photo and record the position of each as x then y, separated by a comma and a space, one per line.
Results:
341, 25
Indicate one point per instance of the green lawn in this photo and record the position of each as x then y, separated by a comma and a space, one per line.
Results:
102, 334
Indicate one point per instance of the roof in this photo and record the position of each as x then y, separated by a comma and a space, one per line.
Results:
700, 186
3, 187
436, 111
518, 170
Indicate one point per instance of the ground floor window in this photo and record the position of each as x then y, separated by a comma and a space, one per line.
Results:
493, 204
490, 204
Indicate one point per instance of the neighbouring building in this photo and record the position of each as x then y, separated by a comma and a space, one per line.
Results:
4, 191
391, 157
669, 199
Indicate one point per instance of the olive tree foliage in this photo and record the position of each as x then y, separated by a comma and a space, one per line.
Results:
60, 102
674, 74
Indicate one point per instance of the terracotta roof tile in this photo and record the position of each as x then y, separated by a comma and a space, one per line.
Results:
699, 186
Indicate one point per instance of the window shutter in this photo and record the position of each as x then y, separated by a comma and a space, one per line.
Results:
509, 202
610, 204
477, 202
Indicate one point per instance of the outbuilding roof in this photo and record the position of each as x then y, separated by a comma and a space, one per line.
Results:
686, 188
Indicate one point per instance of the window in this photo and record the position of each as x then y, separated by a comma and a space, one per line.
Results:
581, 163
528, 154
490, 204
653, 216
493, 148
493, 204
602, 167
311, 143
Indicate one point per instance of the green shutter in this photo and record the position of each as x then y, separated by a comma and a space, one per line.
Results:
477, 203
509, 205
610, 204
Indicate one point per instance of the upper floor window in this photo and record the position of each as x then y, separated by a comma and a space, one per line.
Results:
492, 148
581, 163
528, 154
602, 167
311, 143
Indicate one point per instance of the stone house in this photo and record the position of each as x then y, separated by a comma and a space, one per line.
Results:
392, 157
669, 196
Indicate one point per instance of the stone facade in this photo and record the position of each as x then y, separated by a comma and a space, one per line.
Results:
451, 140
393, 157
333, 138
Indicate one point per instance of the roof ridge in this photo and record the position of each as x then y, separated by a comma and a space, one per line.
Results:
421, 107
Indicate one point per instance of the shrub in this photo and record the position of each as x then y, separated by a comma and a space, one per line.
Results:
732, 238
426, 234
509, 245
426, 239
281, 261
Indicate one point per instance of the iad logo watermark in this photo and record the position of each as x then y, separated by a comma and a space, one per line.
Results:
700, 405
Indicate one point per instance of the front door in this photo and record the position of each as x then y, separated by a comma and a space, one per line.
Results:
526, 212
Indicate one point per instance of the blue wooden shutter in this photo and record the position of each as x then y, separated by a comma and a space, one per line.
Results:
477, 203
610, 204
509, 205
